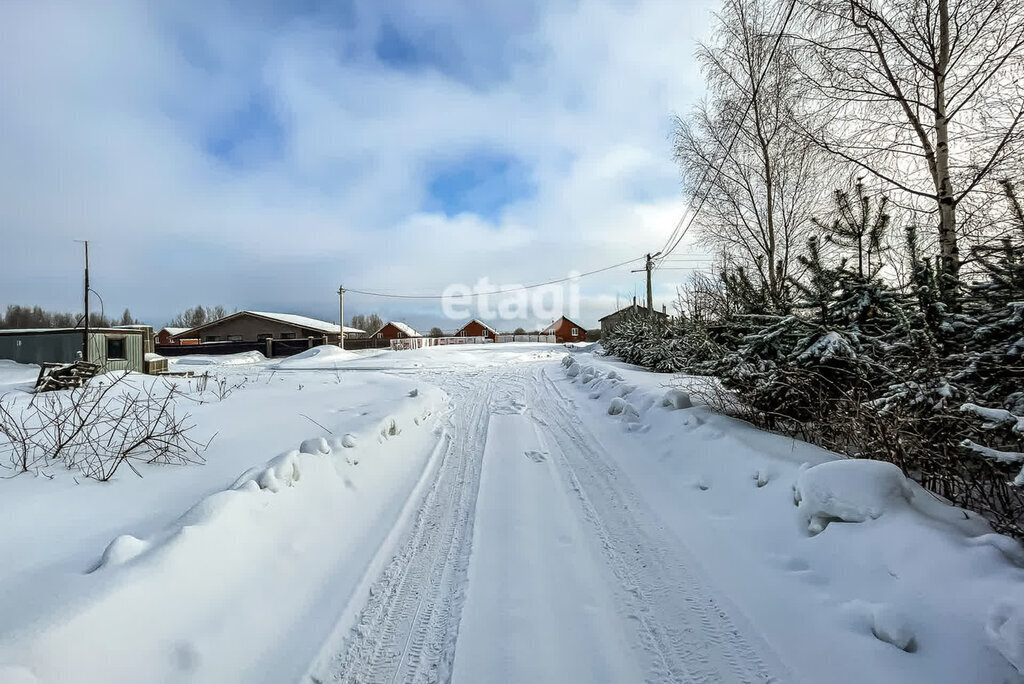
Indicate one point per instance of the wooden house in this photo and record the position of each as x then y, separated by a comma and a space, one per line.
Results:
565, 330
477, 328
395, 330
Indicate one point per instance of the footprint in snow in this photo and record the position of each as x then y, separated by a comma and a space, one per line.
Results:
536, 456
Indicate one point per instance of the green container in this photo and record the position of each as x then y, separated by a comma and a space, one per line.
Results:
112, 349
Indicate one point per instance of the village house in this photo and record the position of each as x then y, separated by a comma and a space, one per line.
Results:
259, 326
395, 330
476, 328
167, 335
609, 322
565, 330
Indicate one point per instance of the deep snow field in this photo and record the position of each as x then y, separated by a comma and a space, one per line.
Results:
485, 513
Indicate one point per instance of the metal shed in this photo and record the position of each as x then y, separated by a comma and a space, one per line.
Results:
112, 348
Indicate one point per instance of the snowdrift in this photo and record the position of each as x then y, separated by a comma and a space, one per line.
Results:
324, 357
240, 359
913, 589
243, 585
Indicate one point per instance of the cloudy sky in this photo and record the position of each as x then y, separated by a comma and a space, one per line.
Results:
257, 154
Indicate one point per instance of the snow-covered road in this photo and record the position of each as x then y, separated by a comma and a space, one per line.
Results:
532, 560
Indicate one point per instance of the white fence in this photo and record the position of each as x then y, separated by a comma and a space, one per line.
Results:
421, 342
527, 338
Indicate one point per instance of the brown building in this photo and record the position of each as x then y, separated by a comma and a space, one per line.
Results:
477, 329
167, 335
258, 326
565, 330
395, 330
609, 322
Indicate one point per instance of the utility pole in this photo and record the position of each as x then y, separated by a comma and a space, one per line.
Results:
85, 329
648, 267
341, 316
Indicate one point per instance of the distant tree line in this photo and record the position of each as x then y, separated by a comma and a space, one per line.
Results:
17, 317
198, 315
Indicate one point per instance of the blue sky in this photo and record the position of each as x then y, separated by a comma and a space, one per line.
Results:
256, 154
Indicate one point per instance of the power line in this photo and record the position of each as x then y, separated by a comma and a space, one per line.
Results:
670, 245
386, 295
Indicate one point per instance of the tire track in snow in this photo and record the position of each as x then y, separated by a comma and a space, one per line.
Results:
408, 629
686, 632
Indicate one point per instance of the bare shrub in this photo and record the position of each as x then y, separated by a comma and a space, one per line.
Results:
100, 427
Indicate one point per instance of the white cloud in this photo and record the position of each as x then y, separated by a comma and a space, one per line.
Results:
106, 109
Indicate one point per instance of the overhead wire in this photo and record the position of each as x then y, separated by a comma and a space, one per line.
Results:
508, 290
677, 236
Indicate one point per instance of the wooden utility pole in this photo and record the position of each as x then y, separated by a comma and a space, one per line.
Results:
648, 267
341, 316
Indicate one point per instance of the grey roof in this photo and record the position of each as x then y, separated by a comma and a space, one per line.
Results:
631, 308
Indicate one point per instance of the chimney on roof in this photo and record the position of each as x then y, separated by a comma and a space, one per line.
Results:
664, 310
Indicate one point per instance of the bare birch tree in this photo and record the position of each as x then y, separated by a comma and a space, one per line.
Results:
758, 182
926, 95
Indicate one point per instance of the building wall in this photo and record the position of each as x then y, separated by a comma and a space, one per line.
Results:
609, 322
133, 348
64, 347
562, 330
390, 332
475, 329
251, 327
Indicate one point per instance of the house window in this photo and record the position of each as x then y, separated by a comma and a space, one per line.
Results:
462, 333
287, 336
263, 337
213, 338
380, 335
575, 332
115, 348
234, 338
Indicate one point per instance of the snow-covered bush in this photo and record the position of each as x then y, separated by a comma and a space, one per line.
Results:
111, 422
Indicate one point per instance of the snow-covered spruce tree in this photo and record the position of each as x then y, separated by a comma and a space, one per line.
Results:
850, 334
991, 373
955, 422
659, 345
631, 338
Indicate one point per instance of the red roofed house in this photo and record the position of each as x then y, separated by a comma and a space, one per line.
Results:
166, 335
565, 330
395, 330
477, 329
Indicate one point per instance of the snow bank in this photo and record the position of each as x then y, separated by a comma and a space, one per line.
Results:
317, 445
325, 356
883, 622
1006, 630
850, 490
915, 590
256, 570
676, 399
240, 359
603, 382
13, 373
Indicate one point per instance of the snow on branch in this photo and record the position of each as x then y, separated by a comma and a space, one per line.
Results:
995, 417
999, 456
